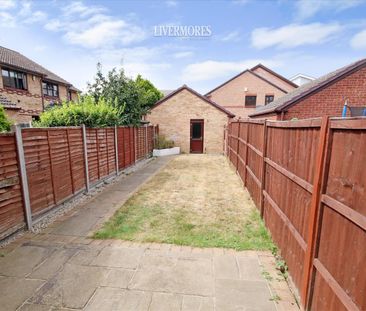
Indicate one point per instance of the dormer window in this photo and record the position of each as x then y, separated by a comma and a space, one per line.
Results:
50, 89
14, 79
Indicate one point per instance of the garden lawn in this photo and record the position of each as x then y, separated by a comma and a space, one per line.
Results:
196, 200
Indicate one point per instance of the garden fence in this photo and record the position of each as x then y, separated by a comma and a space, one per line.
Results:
308, 179
40, 168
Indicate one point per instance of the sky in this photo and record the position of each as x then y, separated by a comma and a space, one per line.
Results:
289, 36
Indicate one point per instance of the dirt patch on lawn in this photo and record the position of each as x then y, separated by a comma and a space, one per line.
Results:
195, 200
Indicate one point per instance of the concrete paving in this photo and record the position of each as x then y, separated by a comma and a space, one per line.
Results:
62, 268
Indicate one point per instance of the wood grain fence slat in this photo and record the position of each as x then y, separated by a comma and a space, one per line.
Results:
312, 200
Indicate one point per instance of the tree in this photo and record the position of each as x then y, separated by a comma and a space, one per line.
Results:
87, 111
5, 124
148, 93
132, 98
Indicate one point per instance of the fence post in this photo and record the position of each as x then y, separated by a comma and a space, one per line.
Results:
23, 174
314, 209
116, 148
264, 155
85, 159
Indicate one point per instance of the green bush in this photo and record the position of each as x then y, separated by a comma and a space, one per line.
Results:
4, 122
163, 143
87, 111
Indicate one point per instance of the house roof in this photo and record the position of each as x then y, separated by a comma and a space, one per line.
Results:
307, 89
15, 59
74, 89
185, 87
275, 74
166, 92
300, 75
253, 73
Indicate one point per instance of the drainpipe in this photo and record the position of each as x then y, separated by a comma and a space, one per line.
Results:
40, 83
282, 115
344, 112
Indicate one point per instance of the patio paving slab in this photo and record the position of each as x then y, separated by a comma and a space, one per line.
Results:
63, 269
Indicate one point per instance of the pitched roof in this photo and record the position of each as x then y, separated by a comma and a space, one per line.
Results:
185, 87
307, 89
275, 74
15, 59
243, 72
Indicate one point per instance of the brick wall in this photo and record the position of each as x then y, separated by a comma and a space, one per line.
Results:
330, 101
173, 117
274, 79
232, 95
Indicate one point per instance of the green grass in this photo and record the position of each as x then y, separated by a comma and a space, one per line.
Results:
151, 224
185, 204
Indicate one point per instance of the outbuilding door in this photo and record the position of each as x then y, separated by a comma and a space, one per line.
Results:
196, 145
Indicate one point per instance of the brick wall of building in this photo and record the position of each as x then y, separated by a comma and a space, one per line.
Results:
173, 117
232, 95
330, 100
274, 79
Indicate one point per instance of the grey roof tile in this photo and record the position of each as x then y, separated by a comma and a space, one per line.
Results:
13, 58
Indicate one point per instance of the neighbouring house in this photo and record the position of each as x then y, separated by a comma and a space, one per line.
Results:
194, 122
301, 79
27, 88
249, 89
166, 92
324, 96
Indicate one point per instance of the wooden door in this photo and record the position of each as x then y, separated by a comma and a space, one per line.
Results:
197, 130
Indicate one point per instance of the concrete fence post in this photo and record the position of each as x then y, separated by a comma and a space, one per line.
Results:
116, 148
86, 159
23, 175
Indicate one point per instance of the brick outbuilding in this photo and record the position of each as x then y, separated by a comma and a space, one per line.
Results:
325, 96
194, 122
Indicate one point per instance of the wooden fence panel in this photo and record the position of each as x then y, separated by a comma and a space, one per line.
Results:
39, 171
126, 146
289, 167
93, 154
140, 142
255, 143
61, 176
293, 164
76, 151
242, 151
54, 161
101, 153
339, 272
11, 199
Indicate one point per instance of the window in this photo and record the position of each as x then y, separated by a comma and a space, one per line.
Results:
14, 79
50, 89
196, 130
268, 99
250, 100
